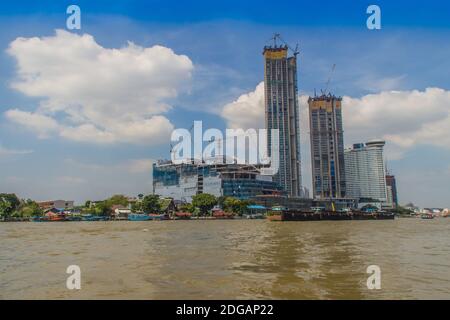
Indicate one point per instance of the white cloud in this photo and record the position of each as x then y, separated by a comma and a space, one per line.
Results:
41, 124
247, 111
404, 119
94, 94
376, 84
9, 152
140, 165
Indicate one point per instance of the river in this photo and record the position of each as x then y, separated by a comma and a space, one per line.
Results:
240, 259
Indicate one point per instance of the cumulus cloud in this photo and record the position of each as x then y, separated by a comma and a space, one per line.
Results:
41, 124
247, 111
94, 94
404, 119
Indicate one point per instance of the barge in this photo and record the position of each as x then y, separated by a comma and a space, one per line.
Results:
310, 215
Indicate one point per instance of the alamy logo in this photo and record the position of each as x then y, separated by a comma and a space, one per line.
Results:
374, 20
73, 282
241, 147
374, 280
74, 20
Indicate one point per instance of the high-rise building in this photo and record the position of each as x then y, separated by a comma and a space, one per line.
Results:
365, 171
392, 186
327, 147
282, 113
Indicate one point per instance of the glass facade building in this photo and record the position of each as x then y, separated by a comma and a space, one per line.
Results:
282, 113
392, 185
183, 181
365, 170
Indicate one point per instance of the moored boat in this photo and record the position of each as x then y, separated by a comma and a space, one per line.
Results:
73, 218
427, 216
254, 216
274, 217
39, 219
219, 214
327, 215
158, 217
90, 217
182, 216
138, 217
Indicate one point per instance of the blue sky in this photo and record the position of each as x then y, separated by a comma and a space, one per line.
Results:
223, 40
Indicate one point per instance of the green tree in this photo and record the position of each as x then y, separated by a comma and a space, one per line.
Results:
87, 204
230, 204
30, 209
243, 207
6, 209
103, 208
221, 201
187, 207
236, 206
401, 211
136, 207
8, 204
204, 202
150, 204
118, 199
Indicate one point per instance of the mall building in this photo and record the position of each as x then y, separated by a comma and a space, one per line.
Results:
183, 181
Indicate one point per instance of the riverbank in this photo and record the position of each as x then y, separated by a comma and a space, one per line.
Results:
270, 218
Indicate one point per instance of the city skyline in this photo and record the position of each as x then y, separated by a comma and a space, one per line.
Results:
90, 152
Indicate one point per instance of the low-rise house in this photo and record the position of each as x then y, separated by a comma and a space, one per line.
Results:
120, 212
414, 209
57, 204
179, 204
433, 211
167, 206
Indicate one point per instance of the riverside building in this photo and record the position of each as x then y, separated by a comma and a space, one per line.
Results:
282, 113
365, 171
327, 147
183, 181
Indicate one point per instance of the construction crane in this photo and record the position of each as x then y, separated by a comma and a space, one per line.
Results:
324, 92
276, 36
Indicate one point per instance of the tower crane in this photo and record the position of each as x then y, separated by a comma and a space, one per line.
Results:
295, 51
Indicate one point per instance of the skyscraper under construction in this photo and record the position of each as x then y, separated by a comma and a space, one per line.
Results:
282, 113
327, 147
